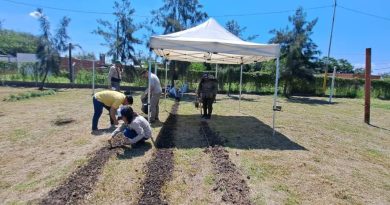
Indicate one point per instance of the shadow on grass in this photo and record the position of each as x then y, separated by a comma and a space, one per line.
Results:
309, 101
136, 150
241, 132
237, 97
379, 127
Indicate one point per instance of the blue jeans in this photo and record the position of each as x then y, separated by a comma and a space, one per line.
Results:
129, 133
98, 110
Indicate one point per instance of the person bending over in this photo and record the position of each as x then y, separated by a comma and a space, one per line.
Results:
111, 100
135, 128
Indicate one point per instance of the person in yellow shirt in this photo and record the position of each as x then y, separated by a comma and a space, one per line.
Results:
111, 100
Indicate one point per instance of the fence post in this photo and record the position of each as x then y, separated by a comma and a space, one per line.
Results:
367, 87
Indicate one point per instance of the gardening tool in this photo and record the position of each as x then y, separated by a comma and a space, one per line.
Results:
198, 104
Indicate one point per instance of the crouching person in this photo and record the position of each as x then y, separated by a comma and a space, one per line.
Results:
134, 129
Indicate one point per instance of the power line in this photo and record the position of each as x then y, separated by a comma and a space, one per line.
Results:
386, 68
271, 12
63, 9
365, 13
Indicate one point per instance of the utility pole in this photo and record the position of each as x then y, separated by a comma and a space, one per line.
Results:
367, 87
330, 45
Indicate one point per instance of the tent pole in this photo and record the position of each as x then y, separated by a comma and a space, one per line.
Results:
216, 71
239, 100
275, 96
155, 68
149, 76
93, 77
216, 75
166, 84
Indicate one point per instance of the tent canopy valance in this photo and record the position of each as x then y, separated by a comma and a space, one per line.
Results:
210, 42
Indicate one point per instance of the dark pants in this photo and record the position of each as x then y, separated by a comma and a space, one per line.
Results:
98, 110
207, 106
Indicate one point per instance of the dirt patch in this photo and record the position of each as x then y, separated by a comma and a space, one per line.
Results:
229, 180
159, 169
81, 182
63, 121
2, 114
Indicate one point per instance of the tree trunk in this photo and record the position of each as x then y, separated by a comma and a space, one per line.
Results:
286, 91
44, 79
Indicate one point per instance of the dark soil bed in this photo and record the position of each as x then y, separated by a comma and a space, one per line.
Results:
229, 181
159, 169
81, 182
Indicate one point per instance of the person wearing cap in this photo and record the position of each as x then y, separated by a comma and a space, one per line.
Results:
111, 100
115, 76
207, 92
135, 128
155, 93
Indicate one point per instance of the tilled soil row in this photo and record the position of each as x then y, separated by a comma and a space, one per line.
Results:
228, 179
159, 169
81, 182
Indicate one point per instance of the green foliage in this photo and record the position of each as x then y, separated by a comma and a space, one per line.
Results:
197, 67
233, 27
176, 15
49, 47
125, 29
12, 42
28, 95
342, 65
298, 51
85, 56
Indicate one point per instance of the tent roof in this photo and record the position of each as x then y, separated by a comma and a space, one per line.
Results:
212, 43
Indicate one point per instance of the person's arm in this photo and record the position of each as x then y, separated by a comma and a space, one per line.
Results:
118, 130
112, 115
199, 88
139, 130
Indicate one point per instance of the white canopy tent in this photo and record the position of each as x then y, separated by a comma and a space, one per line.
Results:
210, 42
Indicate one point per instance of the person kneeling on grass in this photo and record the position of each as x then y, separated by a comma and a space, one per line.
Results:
135, 128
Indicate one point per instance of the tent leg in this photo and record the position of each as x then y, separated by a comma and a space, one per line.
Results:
149, 76
166, 84
216, 75
275, 96
93, 77
216, 71
239, 99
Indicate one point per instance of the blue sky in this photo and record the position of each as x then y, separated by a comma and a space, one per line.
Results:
359, 24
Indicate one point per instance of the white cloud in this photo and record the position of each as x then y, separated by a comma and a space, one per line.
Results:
35, 14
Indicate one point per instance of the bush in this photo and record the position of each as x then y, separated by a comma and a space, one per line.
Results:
27, 95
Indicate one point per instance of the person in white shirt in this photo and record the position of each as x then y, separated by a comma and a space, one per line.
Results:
155, 93
135, 128
115, 76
